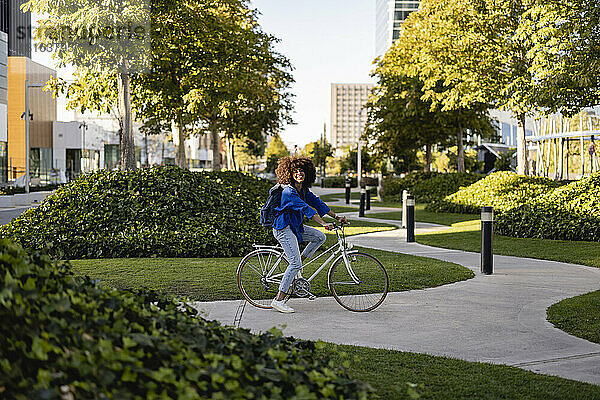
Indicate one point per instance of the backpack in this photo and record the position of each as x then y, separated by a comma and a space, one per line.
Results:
267, 212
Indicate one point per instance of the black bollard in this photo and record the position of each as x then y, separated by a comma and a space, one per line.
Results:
410, 218
487, 236
361, 210
348, 185
368, 207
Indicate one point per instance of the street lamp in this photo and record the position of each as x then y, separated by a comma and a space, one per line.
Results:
359, 161
27, 115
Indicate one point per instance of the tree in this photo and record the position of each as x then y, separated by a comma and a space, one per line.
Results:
473, 49
275, 151
401, 120
350, 161
209, 69
319, 152
106, 38
564, 53
249, 97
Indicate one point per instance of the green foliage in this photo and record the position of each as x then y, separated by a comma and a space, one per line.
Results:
578, 316
275, 151
393, 187
570, 212
502, 190
338, 182
162, 211
64, 336
504, 163
442, 185
10, 190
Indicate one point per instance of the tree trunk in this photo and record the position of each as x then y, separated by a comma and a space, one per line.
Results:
216, 146
229, 148
127, 147
428, 158
460, 152
521, 145
179, 133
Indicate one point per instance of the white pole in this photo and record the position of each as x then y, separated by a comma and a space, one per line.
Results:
359, 161
26, 116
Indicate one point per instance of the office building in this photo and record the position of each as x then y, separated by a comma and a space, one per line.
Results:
346, 101
389, 16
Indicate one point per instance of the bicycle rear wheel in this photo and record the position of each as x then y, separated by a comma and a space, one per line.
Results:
360, 287
259, 275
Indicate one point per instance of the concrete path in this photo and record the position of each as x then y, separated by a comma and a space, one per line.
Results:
499, 318
8, 214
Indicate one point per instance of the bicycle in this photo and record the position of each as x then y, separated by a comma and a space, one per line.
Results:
357, 281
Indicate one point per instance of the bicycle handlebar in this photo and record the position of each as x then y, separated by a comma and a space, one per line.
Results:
337, 226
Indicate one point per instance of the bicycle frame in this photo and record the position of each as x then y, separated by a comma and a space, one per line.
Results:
341, 251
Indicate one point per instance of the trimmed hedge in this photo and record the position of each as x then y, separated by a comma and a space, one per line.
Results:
157, 212
10, 190
393, 187
427, 186
338, 182
440, 186
570, 212
502, 190
66, 337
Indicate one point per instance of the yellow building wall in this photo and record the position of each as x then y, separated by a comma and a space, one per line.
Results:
41, 105
16, 106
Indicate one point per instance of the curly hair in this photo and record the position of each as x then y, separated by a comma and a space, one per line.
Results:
287, 165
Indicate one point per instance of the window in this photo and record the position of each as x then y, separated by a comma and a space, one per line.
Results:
111, 156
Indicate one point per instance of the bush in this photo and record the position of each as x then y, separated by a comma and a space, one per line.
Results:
162, 212
502, 190
393, 187
442, 185
570, 212
66, 337
338, 182
10, 190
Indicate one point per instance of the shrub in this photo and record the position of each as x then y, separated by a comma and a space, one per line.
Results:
570, 212
502, 190
64, 336
442, 185
163, 211
10, 190
338, 182
393, 187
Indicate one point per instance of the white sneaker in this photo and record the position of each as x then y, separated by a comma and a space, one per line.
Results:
280, 306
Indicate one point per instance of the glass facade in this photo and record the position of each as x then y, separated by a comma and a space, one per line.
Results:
40, 166
3, 162
111, 156
389, 16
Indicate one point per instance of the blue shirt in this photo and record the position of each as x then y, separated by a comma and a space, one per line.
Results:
293, 209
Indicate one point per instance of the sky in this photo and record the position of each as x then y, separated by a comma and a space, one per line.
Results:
327, 41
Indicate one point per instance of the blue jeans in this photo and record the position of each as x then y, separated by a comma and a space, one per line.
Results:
289, 242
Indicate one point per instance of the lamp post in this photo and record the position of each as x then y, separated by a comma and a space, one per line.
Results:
27, 115
83, 127
359, 156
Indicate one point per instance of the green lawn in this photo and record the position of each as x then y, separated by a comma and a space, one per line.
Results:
207, 279
355, 195
467, 236
390, 372
579, 316
421, 215
343, 209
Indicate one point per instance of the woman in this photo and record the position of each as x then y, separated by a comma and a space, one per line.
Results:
297, 201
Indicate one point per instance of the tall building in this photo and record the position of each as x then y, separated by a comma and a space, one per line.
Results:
346, 101
389, 16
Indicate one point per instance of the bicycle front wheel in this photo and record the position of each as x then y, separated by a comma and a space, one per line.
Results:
259, 275
361, 285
